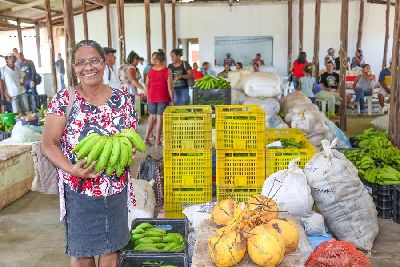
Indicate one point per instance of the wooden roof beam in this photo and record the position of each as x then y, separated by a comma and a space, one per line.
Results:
76, 11
98, 2
20, 7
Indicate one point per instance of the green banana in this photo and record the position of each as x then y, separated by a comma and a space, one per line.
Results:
84, 141
104, 156
135, 237
172, 237
85, 150
116, 149
126, 141
124, 155
135, 139
170, 246
110, 169
96, 151
178, 248
150, 239
145, 247
118, 169
144, 225
137, 231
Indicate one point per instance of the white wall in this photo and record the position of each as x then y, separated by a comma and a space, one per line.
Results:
205, 21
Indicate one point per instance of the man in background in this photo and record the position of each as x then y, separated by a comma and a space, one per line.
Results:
385, 81
14, 90
109, 77
28, 67
60, 68
229, 60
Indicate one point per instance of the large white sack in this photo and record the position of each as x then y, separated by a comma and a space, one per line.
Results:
314, 224
310, 122
381, 123
290, 190
341, 197
270, 106
237, 97
237, 78
275, 122
295, 99
263, 84
145, 200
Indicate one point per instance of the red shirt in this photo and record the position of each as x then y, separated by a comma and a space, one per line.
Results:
298, 69
158, 86
197, 74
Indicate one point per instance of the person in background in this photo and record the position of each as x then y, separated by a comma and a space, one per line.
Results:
196, 73
93, 206
256, 67
148, 66
16, 54
307, 82
160, 94
110, 77
28, 67
330, 57
206, 69
298, 67
60, 68
229, 60
181, 73
239, 65
225, 72
260, 62
385, 80
14, 90
363, 86
357, 60
129, 75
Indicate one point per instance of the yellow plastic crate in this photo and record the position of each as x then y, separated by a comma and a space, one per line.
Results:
237, 193
187, 167
237, 168
187, 127
277, 159
176, 197
239, 127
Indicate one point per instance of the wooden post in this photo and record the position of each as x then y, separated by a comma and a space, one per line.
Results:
385, 47
51, 46
39, 56
148, 30
85, 20
163, 29
360, 25
173, 24
70, 40
107, 7
301, 22
121, 31
316, 37
343, 63
290, 4
19, 32
394, 115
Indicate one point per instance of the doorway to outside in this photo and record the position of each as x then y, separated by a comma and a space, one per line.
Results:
191, 49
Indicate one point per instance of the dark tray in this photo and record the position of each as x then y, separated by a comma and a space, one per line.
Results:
383, 189
369, 186
133, 259
4, 135
384, 204
384, 213
396, 218
170, 225
211, 97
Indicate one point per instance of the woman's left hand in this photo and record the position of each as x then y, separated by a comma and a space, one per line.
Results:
79, 171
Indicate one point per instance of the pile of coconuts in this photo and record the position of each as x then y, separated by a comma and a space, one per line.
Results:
252, 227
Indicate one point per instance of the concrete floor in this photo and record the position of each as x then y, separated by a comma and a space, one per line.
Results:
32, 236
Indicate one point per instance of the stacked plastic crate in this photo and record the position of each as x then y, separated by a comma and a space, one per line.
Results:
187, 157
240, 133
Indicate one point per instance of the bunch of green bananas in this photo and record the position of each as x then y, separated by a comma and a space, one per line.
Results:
208, 82
111, 153
365, 162
354, 155
5, 127
159, 264
146, 237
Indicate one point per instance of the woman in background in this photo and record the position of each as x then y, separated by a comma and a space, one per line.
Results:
181, 73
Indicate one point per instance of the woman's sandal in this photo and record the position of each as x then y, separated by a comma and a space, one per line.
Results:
147, 143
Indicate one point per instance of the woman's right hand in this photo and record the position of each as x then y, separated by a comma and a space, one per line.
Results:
79, 171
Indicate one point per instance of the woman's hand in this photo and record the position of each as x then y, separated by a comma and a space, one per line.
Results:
79, 171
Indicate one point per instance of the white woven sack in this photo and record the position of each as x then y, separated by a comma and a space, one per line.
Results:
263, 84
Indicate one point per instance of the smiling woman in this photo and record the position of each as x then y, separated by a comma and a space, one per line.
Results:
94, 206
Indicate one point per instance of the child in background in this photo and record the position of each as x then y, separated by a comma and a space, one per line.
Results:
307, 83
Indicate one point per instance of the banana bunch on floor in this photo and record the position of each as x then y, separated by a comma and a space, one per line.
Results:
208, 82
365, 162
111, 153
146, 237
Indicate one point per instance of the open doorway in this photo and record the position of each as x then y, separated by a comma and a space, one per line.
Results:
191, 49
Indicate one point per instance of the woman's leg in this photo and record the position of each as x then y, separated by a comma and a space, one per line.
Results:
83, 262
362, 95
108, 260
359, 97
158, 129
149, 128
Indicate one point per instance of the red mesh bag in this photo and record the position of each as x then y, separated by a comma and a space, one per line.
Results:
337, 254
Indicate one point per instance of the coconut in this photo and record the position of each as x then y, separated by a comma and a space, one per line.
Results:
288, 230
223, 211
266, 207
227, 248
265, 247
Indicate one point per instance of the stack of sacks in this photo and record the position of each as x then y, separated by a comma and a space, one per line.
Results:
301, 113
261, 88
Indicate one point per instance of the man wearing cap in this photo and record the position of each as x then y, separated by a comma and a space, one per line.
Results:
109, 77
385, 80
331, 57
29, 68
60, 68
15, 91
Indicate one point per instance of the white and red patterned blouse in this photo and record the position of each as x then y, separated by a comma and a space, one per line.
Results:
117, 114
